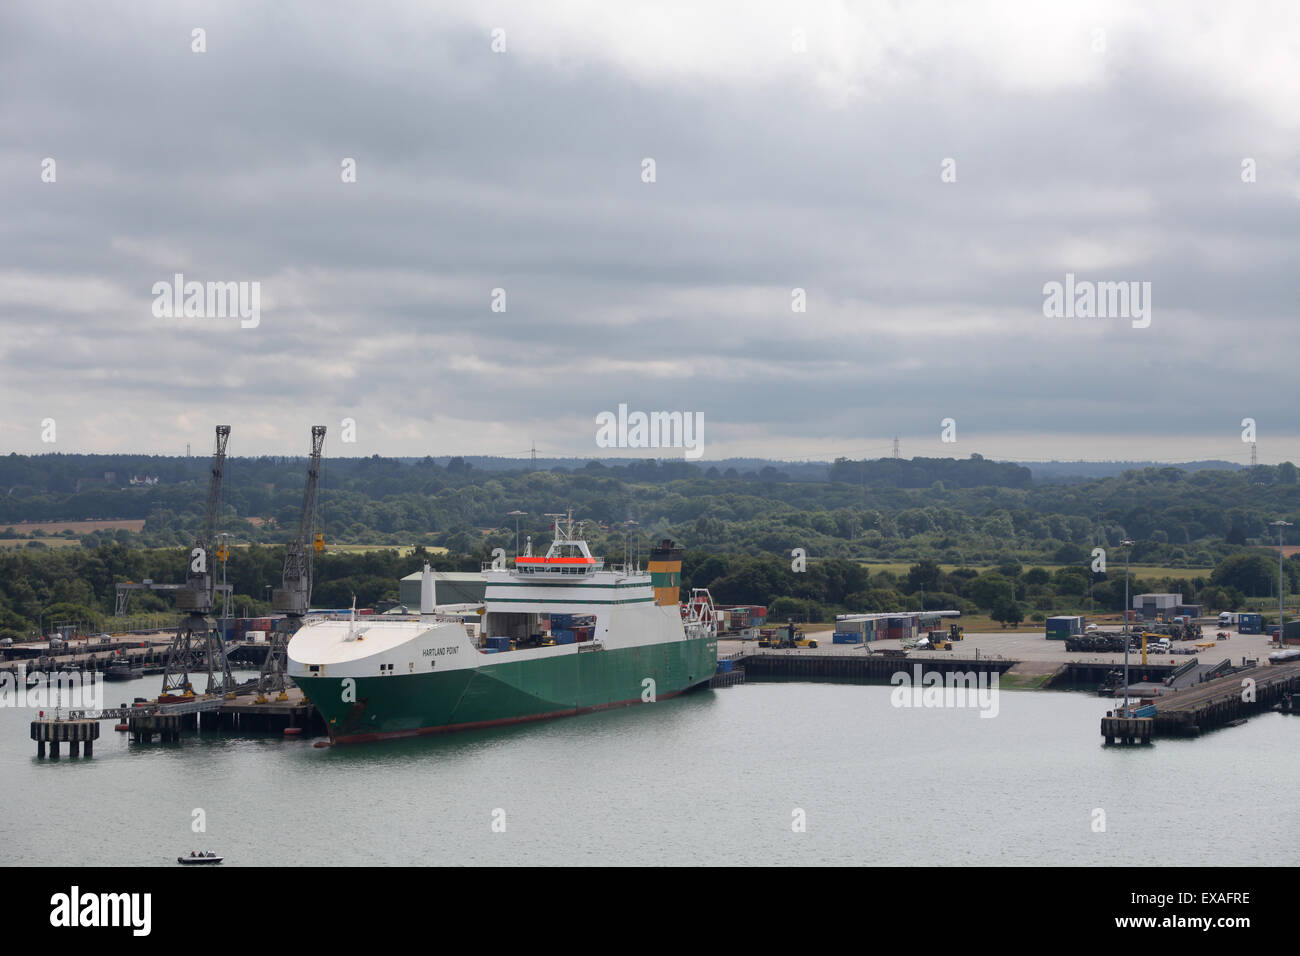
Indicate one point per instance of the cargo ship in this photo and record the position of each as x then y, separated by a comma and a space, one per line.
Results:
557, 635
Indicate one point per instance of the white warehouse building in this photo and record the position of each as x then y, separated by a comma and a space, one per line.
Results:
1157, 605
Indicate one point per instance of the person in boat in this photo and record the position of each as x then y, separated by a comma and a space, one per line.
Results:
191, 852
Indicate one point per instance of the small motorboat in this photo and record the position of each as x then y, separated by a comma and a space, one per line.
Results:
200, 859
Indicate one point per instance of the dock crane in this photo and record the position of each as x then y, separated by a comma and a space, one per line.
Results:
294, 597
197, 597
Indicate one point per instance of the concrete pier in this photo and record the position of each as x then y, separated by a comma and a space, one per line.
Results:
861, 666
143, 727
72, 732
1126, 730
1223, 700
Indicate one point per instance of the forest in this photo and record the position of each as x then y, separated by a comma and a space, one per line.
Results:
963, 533
39, 590
967, 534
956, 511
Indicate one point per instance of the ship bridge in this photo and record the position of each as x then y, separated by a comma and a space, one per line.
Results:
565, 583
568, 556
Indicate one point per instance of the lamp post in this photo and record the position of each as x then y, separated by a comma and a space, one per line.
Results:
1128, 547
516, 515
1279, 525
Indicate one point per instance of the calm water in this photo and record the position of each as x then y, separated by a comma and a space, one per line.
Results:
710, 778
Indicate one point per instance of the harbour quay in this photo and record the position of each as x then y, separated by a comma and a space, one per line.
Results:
145, 721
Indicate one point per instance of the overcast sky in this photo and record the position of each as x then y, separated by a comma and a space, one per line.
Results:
798, 145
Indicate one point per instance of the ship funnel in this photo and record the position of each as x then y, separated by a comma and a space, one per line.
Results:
666, 573
427, 593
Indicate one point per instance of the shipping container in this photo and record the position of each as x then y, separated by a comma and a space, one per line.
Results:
1250, 624
724, 667
1063, 627
563, 637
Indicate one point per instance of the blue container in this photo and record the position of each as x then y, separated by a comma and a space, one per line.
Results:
563, 637
561, 622
499, 643
724, 667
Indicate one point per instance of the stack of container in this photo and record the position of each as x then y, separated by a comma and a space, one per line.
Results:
900, 628
741, 616
1250, 624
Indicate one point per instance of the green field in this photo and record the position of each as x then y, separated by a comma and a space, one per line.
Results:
402, 549
19, 544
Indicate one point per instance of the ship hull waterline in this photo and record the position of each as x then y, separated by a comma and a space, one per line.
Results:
365, 709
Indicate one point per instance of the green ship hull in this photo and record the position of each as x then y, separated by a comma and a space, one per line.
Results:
505, 692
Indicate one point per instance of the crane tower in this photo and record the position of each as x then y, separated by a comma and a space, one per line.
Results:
293, 598
197, 598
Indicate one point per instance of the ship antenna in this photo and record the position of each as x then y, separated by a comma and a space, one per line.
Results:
555, 525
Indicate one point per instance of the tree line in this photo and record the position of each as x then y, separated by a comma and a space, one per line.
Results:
39, 589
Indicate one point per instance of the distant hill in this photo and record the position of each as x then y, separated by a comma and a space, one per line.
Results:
1078, 470
793, 470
